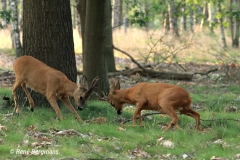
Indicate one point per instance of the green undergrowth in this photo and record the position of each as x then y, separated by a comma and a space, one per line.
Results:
108, 139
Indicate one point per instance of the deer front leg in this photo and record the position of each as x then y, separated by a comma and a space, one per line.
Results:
53, 103
137, 112
71, 108
30, 100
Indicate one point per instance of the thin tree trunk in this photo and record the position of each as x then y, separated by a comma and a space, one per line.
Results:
211, 16
191, 20
166, 21
205, 15
15, 35
115, 14
173, 18
184, 17
147, 14
126, 21
4, 7
224, 43
235, 40
120, 21
81, 7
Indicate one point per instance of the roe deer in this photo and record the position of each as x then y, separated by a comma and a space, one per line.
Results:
53, 84
161, 97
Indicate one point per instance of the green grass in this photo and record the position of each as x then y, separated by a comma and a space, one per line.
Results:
109, 140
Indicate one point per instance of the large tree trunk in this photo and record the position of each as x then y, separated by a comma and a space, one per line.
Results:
15, 35
48, 36
94, 63
108, 50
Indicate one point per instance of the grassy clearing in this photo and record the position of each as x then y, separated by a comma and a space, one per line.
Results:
31, 131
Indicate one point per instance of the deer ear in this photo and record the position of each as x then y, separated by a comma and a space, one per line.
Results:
117, 85
83, 81
112, 85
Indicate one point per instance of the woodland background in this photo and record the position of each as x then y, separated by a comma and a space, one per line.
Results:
191, 43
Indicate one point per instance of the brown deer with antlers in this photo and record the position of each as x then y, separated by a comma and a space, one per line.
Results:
51, 83
161, 97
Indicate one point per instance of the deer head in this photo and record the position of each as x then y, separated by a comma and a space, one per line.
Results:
83, 91
114, 97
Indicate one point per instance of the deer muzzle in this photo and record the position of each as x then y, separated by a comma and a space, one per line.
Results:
80, 108
119, 112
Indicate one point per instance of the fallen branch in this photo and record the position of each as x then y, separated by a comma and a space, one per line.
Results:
155, 74
206, 73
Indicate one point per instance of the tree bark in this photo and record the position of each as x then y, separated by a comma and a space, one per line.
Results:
81, 7
15, 35
4, 7
94, 63
235, 25
108, 50
173, 18
224, 43
48, 36
184, 17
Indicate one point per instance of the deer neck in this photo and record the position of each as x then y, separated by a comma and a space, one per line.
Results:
69, 88
124, 96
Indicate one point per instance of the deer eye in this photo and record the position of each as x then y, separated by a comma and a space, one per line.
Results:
81, 98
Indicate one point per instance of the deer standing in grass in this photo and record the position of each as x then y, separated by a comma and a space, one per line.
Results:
161, 97
51, 83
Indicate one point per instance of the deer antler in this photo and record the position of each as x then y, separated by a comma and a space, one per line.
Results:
92, 87
104, 98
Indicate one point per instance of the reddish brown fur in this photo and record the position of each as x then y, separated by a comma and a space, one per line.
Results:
49, 82
162, 97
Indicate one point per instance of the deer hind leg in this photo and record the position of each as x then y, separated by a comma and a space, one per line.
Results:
71, 108
16, 85
169, 110
192, 113
53, 103
31, 102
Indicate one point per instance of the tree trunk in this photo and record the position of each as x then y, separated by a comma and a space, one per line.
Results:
235, 26
147, 14
81, 7
224, 43
184, 17
115, 14
173, 18
15, 35
108, 50
48, 36
126, 21
4, 7
166, 21
211, 16
191, 20
94, 63
205, 15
